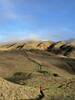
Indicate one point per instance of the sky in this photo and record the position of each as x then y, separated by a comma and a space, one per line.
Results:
37, 20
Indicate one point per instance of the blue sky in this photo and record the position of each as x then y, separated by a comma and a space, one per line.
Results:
37, 19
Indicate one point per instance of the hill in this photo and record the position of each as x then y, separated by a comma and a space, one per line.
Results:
63, 48
41, 45
25, 68
10, 91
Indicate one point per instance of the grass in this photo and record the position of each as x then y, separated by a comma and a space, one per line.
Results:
20, 77
19, 69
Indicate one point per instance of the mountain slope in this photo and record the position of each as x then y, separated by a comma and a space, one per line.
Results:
26, 69
10, 91
41, 45
58, 48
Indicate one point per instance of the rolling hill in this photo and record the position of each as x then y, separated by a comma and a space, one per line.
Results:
34, 63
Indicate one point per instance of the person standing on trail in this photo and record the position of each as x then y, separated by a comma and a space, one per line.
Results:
41, 92
41, 95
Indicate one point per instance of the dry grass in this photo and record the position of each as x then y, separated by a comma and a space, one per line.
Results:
54, 75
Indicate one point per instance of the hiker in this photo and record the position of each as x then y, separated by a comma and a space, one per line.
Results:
41, 95
41, 92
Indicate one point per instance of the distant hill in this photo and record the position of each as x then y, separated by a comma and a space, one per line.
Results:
64, 48
71, 42
41, 45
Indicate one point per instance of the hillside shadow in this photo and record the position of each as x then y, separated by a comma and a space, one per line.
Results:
20, 78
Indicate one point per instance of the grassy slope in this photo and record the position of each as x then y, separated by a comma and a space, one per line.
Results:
55, 86
10, 91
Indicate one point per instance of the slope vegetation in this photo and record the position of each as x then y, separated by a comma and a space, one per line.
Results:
24, 67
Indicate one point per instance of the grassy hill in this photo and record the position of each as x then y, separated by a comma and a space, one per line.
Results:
24, 67
10, 91
64, 48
